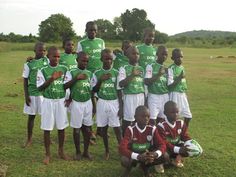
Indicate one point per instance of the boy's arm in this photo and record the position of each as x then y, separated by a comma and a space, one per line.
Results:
121, 104
94, 101
123, 79
25, 75
69, 81
160, 145
150, 78
98, 82
171, 81
184, 135
79, 48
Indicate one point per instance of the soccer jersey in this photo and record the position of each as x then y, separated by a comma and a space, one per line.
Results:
56, 88
147, 54
30, 72
139, 141
120, 61
81, 90
108, 90
173, 134
69, 60
93, 48
173, 72
160, 85
136, 85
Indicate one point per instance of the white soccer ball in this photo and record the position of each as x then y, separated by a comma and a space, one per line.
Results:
194, 148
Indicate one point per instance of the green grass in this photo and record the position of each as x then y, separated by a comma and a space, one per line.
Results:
212, 98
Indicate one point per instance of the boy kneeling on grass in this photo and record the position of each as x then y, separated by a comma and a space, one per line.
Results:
141, 144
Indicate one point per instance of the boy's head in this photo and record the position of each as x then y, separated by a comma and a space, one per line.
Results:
53, 55
125, 45
39, 49
171, 111
162, 54
82, 60
142, 116
133, 55
177, 56
68, 45
106, 58
148, 35
91, 29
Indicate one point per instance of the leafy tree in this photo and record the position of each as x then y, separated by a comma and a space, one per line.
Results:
161, 38
133, 23
118, 27
106, 29
56, 28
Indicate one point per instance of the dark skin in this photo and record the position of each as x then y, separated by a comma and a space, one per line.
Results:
106, 58
149, 37
40, 52
69, 47
91, 31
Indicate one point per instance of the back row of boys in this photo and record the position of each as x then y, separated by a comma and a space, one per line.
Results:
91, 69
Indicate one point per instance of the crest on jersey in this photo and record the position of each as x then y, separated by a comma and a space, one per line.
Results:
113, 79
149, 138
179, 131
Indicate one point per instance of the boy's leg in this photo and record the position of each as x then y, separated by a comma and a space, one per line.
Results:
76, 136
61, 140
86, 136
30, 126
117, 131
125, 124
105, 141
47, 147
127, 164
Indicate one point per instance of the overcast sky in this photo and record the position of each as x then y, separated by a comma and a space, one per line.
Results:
169, 16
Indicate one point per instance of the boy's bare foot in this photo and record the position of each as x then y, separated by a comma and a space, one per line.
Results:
107, 155
88, 156
46, 160
27, 144
77, 157
63, 156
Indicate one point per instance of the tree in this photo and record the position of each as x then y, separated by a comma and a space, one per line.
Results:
160, 38
106, 29
134, 22
56, 28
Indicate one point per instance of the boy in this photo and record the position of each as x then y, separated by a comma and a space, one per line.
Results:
146, 50
174, 132
121, 57
33, 98
156, 80
79, 82
92, 46
50, 81
104, 83
177, 85
130, 79
141, 144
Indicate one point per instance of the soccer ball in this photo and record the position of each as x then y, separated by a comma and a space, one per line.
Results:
194, 148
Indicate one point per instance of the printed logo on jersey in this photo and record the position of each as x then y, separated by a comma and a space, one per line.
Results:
113, 79
149, 137
58, 82
96, 50
108, 85
85, 84
179, 131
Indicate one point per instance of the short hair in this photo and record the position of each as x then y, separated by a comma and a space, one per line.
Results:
80, 54
160, 48
65, 41
38, 44
126, 42
105, 51
52, 49
148, 30
169, 104
140, 109
90, 23
130, 49
174, 51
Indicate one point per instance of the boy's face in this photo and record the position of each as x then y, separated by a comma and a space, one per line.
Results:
125, 47
91, 31
162, 55
149, 38
172, 113
83, 61
133, 55
107, 59
142, 118
69, 46
40, 51
54, 57
178, 58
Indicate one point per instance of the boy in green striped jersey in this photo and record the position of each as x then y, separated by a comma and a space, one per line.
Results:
33, 98
177, 85
130, 79
156, 80
50, 80
79, 82
108, 105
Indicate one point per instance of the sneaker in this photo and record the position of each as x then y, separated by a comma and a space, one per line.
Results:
159, 168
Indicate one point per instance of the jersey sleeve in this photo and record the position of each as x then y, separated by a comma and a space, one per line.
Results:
124, 144
121, 76
148, 73
94, 80
103, 44
25, 73
68, 77
160, 145
170, 75
40, 78
79, 48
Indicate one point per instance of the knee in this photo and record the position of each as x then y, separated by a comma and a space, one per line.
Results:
126, 162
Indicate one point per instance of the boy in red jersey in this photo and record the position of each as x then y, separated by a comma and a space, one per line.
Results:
141, 144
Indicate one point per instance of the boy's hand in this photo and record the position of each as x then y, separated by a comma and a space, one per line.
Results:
56, 75
182, 75
150, 157
183, 151
136, 72
81, 76
27, 100
161, 71
142, 157
105, 76
121, 113
67, 102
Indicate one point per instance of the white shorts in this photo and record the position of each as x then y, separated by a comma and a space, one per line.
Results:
131, 102
156, 105
181, 100
35, 105
107, 113
81, 114
53, 112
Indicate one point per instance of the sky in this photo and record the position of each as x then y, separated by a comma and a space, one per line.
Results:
169, 16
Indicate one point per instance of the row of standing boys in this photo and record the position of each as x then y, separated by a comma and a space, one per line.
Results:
93, 84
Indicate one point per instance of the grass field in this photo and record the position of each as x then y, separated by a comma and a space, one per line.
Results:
212, 97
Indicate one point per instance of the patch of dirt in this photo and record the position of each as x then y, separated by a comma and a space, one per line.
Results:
7, 107
11, 95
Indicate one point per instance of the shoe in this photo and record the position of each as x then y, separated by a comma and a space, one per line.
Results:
177, 163
159, 168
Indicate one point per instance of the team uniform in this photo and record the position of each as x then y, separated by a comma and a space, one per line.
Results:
147, 54
177, 93
107, 104
137, 141
81, 106
30, 72
133, 92
174, 135
157, 91
53, 108
93, 48
120, 61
